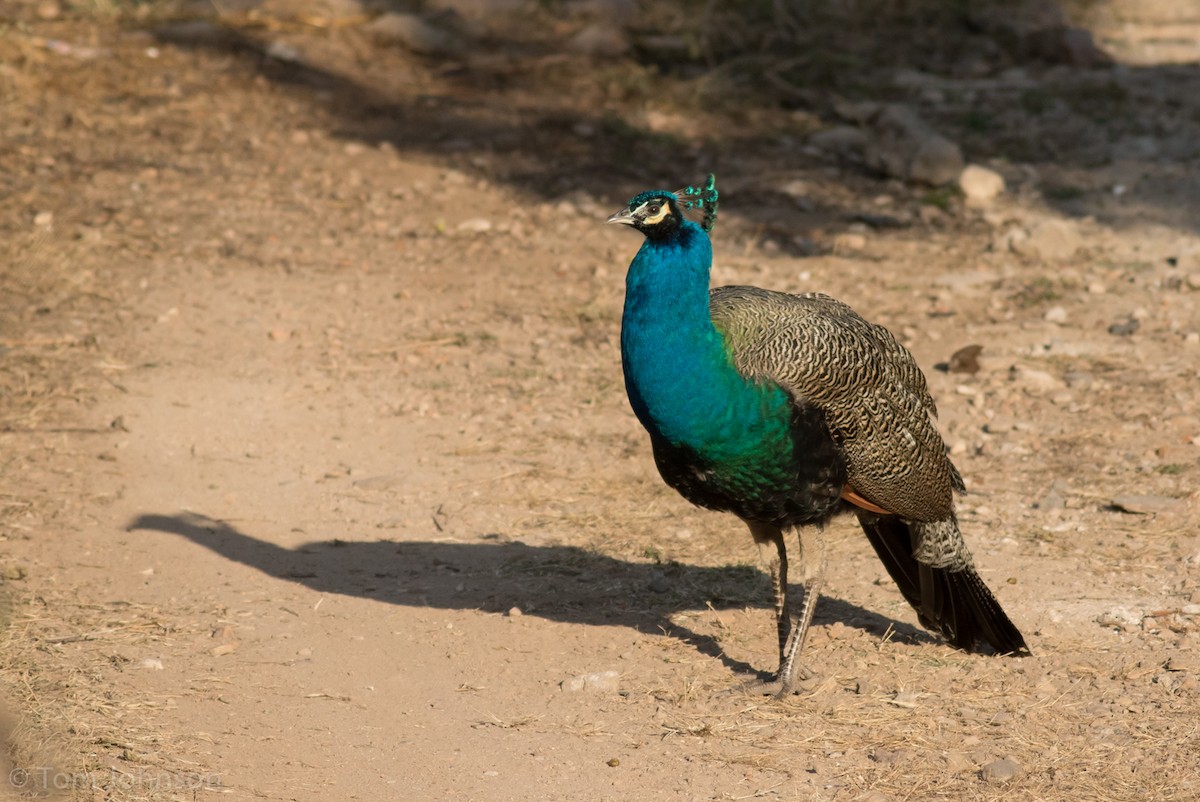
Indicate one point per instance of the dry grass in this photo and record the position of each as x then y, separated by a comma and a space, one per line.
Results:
62, 722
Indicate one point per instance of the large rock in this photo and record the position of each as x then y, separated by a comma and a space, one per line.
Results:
903, 145
845, 141
1038, 29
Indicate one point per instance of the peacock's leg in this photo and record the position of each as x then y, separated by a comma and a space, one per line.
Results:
779, 581
790, 672
789, 629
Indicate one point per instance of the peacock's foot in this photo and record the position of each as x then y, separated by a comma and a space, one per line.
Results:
777, 686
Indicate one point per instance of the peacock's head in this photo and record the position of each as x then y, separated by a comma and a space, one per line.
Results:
656, 214
659, 214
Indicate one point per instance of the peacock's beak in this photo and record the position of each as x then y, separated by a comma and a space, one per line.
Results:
624, 216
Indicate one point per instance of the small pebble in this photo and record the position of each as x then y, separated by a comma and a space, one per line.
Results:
1125, 327
1055, 314
515, 612
980, 185
1051, 501
476, 225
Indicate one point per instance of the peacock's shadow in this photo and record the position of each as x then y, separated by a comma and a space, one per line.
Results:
562, 583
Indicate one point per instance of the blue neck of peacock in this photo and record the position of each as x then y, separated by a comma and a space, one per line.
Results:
680, 381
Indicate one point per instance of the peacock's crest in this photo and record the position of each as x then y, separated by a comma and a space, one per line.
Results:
703, 198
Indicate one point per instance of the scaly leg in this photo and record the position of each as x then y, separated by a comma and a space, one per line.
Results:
786, 624
789, 671
779, 581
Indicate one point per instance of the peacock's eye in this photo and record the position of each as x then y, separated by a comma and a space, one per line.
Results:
655, 208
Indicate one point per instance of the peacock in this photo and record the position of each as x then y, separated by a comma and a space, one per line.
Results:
787, 410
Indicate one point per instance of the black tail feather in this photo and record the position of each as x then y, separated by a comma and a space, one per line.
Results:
956, 604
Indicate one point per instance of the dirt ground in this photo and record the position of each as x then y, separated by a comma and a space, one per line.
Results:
319, 482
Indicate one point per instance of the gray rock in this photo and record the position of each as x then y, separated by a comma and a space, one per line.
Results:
979, 185
1049, 240
1122, 617
595, 682
1004, 770
969, 278
415, 34
1051, 501
285, 51
1075, 46
845, 141
1136, 147
807, 247
1126, 327
599, 40
903, 145
1055, 314
1039, 29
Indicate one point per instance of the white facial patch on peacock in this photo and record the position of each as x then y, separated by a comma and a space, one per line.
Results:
652, 212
